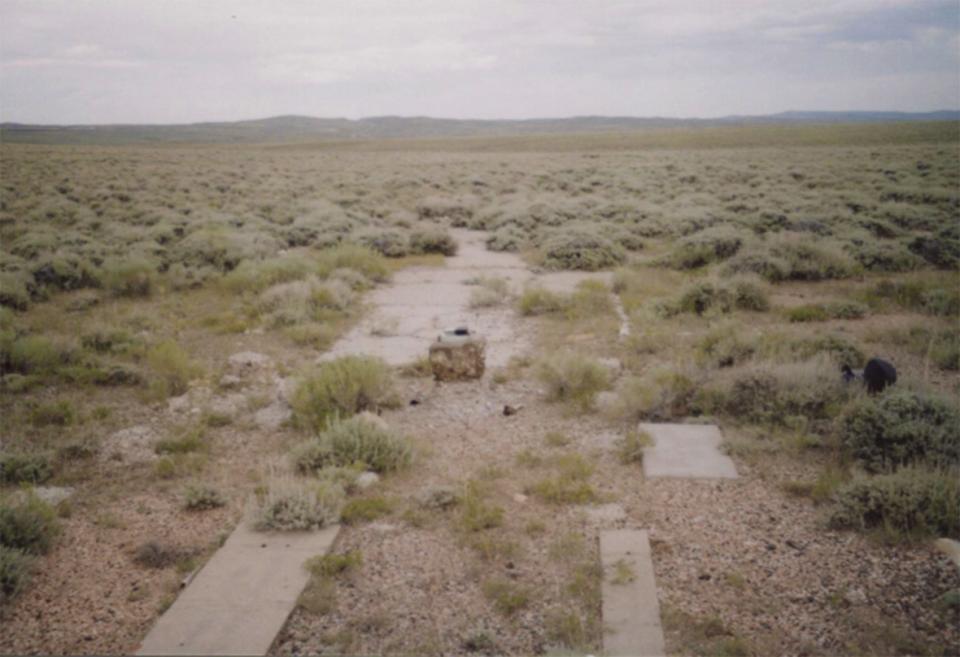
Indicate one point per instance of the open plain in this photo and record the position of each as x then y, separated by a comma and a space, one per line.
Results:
187, 331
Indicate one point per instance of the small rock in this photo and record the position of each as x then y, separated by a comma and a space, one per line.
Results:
520, 498
437, 497
511, 410
855, 597
247, 361
365, 480
273, 416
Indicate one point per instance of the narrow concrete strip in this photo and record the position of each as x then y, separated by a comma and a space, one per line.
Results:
241, 598
686, 450
631, 612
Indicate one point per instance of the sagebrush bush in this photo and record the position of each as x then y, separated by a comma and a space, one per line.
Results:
292, 505
476, 513
172, 367
580, 249
354, 441
129, 277
630, 448
507, 238
433, 240
911, 501
256, 276
370, 264
365, 509
16, 566
24, 468
343, 387
540, 301
33, 354
386, 242
900, 427
29, 524
792, 258
725, 347
59, 413
573, 377
705, 247
661, 394
200, 497
779, 394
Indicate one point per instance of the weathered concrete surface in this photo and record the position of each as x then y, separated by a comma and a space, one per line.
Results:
686, 450
631, 611
420, 302
241, 598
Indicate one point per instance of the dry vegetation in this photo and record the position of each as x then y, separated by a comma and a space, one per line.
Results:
751, 266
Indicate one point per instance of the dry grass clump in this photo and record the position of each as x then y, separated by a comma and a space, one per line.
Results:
581, 249
573, 377
358, 440
941, 250
715, 298
508, 238
257, 275
289, 504
344, 386
28, 523
201, 497
433, 240
129, 277
362, 260
911, 502
298, 302
661, 394
172, 369
16, 568
902, 427
489, 292
387, 242
725, 346
931, 295
569, 485
537, 300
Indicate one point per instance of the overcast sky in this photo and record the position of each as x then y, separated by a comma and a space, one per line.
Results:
162, 61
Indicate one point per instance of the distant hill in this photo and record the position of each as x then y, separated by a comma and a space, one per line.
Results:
303, 128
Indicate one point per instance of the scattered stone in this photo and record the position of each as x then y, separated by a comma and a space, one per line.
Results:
855, 597
273, 416
605, 513
458, 358
248, 361
520, 498
437, 497
133, 443
365, 480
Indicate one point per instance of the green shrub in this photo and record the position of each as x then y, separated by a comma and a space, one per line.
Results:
579, 249
725, 347
16, 567
750, 295
59, 413
540, 301
131, 277
28, 524
573, 377
701, 298
192, 440
929, 296
256, 276
433, 240
386, 242
24, 468
15, 290
354, 441
476, 513
331, 565
364, 509
35, 354
708, 246
660, 394
900, 427
200, 497
506, 596
808, 313
590, 299
629, 448
172, 367
941, 250
291, 505
792, 258
371, 265
157, 554
570, 483
344, 386
912, 501
885, 256
778, 394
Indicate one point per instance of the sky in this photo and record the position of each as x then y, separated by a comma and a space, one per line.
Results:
179, 61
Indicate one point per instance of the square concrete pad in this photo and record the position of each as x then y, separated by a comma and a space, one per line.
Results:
686, 450
631, 611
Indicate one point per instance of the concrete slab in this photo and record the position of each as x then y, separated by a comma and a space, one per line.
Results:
631, 611
241, 598
686, 450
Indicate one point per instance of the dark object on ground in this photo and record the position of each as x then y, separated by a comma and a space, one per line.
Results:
461, 330
511, 410
877, 375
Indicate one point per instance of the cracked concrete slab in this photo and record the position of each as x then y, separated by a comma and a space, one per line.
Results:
241, 598
686, 450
